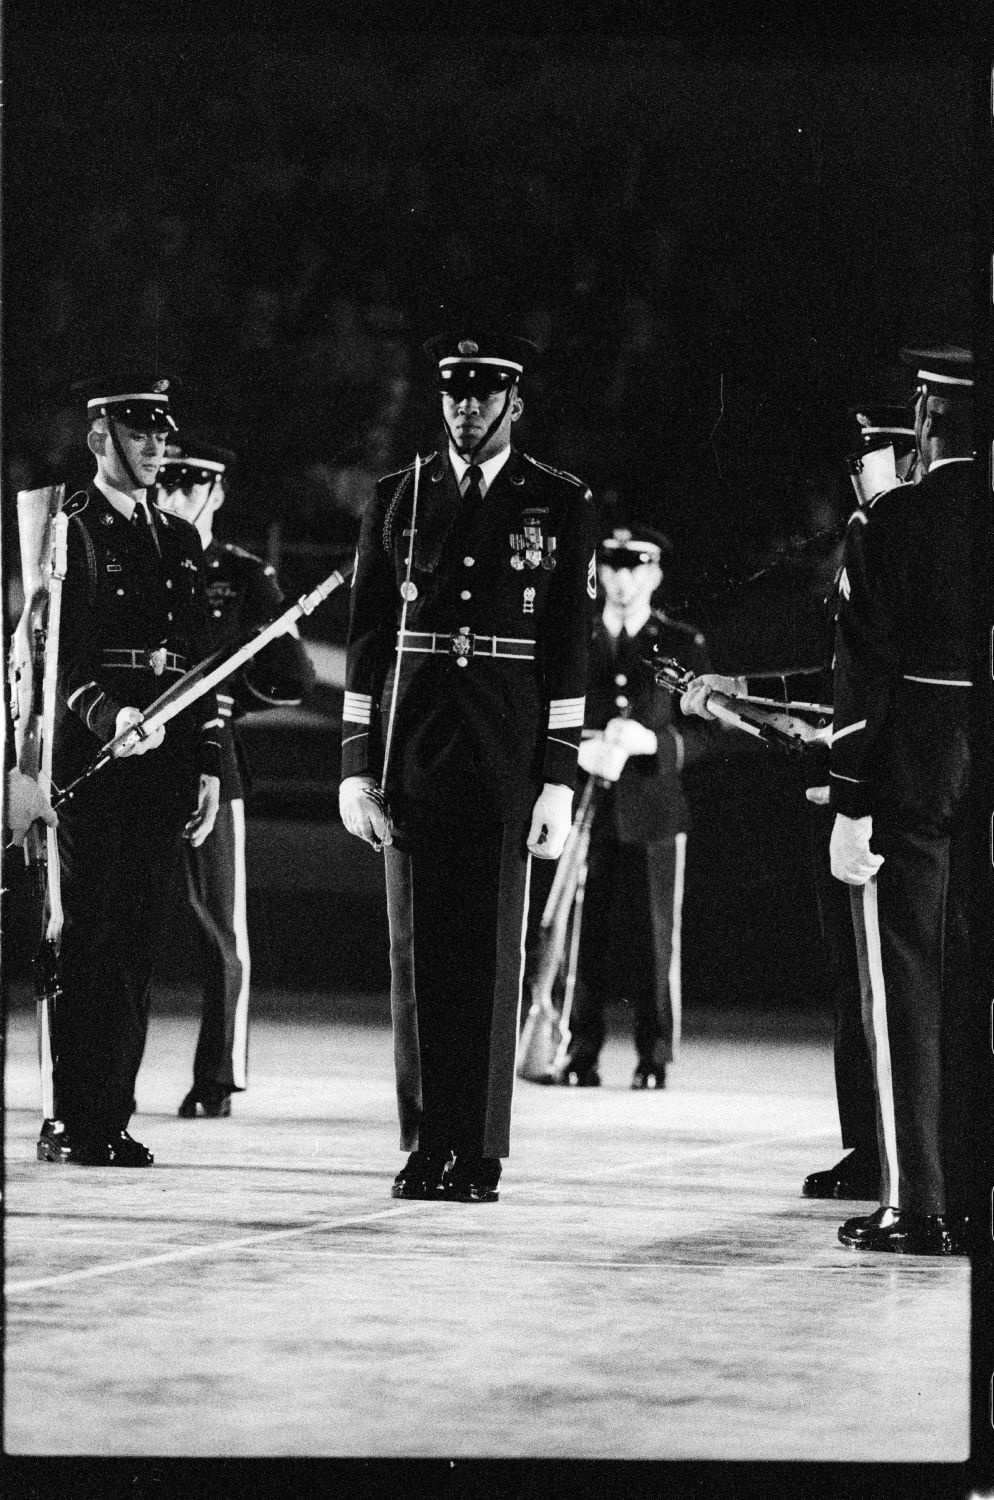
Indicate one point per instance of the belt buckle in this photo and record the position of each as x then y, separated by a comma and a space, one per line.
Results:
462, 646
157, 660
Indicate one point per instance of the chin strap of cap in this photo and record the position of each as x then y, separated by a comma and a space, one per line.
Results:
498, 419
119, 450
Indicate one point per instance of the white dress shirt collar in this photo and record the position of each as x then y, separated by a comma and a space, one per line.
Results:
123, 504
490, 468
962, 458
615, 622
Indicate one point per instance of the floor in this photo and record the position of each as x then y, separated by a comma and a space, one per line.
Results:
651, 1284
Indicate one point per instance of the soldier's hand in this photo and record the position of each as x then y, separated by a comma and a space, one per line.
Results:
631, 736
852, 859
552, 818
600, 759
143, 740
818, 795
696, 694
25, 802
200, 825
363, 812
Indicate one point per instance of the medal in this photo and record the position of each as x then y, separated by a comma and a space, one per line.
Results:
409, 591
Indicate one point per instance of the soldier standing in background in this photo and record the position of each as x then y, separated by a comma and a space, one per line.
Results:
483, 557
134, 617
630, 932
243, 593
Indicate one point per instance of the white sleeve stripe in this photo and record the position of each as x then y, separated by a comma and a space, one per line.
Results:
212, 724
567, 702
840, 734
73, 696
95, 704
856, 780
566, 718
347, 740
554, 739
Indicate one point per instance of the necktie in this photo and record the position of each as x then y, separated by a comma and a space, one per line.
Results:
473, 493
142, 522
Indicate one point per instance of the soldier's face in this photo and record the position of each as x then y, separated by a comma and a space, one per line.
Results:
630, 589
143, 450
188, 502
468, 417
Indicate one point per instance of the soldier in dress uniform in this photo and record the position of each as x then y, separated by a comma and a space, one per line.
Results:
134, 617
242, 593
900, 769
630, 929
466, 670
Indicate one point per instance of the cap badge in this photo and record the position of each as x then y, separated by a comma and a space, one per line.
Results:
160, 386
467, 346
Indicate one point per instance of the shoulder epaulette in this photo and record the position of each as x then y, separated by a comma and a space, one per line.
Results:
408, 468
556, 473
680, 625
242, 553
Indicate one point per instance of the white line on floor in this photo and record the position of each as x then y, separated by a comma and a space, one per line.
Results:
191, 1252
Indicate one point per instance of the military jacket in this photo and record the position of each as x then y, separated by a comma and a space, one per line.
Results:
491, 688
243, 594
134, 618
903, 657
647, 803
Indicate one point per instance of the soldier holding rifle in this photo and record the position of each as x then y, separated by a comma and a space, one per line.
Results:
134, 614
463, 711
630, 931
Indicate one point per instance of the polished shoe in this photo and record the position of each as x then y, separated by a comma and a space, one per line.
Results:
74, 1148
649, 1076
900, 1232
472, 1179
852, 1177
125, 1151
422, 1175
205, 1104
573, 1077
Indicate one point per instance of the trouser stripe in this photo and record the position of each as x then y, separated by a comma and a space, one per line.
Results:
239, 923
881, 1037
676, 998
521, 966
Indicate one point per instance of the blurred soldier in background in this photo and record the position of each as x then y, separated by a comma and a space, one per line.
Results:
134, 617
630, 929
243, 593
470, 723
900, 771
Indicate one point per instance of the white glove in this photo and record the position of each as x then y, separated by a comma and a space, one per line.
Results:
25, 802
552, 818
695, 697
144, 739
362, 812
852, 859
600, 759
631, 736
818, 795
199, 827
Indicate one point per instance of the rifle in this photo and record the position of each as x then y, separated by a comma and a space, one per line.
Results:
42, 526
201, 678
783, 726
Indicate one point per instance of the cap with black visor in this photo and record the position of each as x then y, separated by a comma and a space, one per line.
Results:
479, 366
191, 461
130, 397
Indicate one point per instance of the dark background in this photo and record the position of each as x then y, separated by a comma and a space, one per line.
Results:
719, 245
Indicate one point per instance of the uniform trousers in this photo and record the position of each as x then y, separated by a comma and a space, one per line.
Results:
457, 907
630, 946
215, 882
119, 844
854, 1086
899, 922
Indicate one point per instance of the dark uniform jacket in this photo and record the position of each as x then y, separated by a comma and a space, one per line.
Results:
478, 739
127, 610
243, 594
647, 803
900, 737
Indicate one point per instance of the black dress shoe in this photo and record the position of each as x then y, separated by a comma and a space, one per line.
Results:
649, 1076
578, 1078
472, 1179
422, 1175
852, 1177
205, 1104
76, 1148
898, 1231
